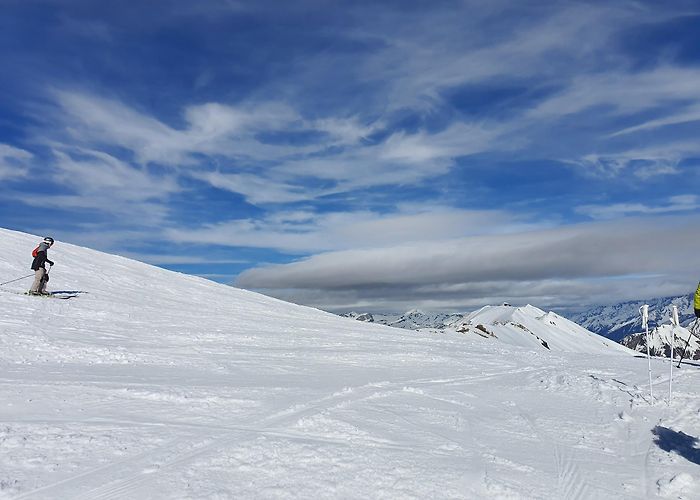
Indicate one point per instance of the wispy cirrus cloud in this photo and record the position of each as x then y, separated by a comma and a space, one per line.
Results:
641, 164
308, 231
687, 114
258, 188
539, 45
623, 92
645, 162
678, 203
250, 155
94, 173
250, 148
212, 129
96, 181
13, 162
402, 158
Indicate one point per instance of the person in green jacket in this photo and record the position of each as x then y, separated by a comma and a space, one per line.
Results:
696, 302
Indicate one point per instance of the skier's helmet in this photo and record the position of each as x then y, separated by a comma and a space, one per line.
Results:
48, 240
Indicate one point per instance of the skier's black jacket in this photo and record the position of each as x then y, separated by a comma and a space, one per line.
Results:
40, 259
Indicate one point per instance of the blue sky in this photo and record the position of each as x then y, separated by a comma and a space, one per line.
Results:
376, 156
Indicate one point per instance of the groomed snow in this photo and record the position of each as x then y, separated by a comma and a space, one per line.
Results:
153, 384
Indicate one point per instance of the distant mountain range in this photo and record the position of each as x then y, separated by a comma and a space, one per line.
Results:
412, 320
525, 326
620, 320
660, 342
620, 323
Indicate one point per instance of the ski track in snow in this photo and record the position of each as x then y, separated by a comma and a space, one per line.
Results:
151, 384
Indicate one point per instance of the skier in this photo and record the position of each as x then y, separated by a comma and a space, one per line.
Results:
41, 277
695, 328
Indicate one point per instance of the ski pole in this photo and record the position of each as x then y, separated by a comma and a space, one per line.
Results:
674, 324
644, 311
692, 330
670, 364
12, 281
46, 277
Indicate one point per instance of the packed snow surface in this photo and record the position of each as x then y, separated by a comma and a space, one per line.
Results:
152, 384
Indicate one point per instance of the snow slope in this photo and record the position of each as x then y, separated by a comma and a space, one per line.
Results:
153, 384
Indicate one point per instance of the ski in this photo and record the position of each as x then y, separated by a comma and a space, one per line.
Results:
52, 295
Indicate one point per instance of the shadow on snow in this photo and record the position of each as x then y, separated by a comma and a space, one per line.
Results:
683, 444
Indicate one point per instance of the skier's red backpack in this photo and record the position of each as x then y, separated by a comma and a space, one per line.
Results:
35, 252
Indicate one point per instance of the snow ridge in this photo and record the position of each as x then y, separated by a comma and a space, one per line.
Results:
530, 326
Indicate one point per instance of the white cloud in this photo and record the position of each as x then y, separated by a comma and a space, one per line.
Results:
98, 181
257, 189
544, 254
549, 267
212, 129
308, 232
233, 139
402, 159
97, 174
571, 47
493, 43
230, 148
623, 92
568, 294
644, 161
13, 162
689, 113
658, 168
680, 203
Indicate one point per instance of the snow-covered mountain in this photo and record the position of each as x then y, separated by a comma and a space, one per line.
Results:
531, 327
619, 320
411, 320
525, 326
660, 340
614, 322
154, 384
